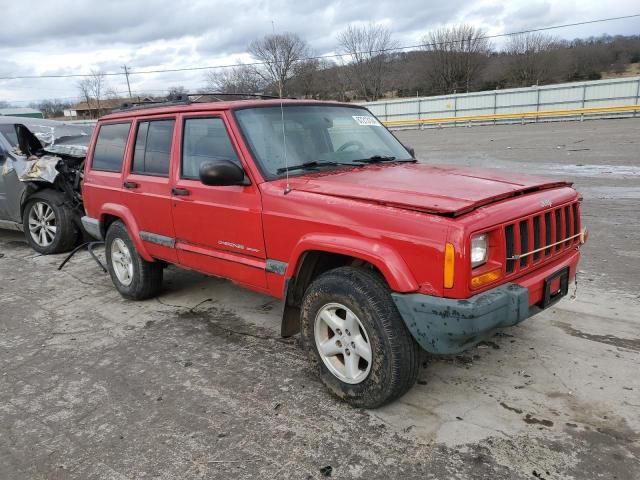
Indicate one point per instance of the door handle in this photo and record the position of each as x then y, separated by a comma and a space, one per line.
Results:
179, 192
130, 185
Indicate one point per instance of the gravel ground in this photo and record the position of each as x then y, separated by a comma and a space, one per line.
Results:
198, 384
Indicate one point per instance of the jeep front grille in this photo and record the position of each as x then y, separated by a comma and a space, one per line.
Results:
536, 238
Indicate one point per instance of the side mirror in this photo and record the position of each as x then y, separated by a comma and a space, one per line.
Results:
411, 150
221, 172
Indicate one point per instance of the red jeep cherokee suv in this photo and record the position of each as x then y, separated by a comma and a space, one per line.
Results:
374, 254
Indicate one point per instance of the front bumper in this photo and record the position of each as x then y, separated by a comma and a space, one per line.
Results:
445, 326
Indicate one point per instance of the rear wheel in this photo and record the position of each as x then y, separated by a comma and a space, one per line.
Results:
356, 338
132, 275
48, 223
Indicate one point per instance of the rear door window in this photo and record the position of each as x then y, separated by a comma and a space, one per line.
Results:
153, 148
110, 146
205, 139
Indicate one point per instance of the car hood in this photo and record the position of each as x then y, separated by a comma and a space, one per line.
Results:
441, 190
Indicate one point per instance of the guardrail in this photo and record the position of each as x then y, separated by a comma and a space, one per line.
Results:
523, 116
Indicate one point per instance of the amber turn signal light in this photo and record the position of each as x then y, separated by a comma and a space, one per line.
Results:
449, 263
485, 278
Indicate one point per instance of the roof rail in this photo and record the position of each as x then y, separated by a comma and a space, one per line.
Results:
183, 99
180, 99
237, 94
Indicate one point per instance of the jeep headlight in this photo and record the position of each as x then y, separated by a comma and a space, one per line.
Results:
479, 250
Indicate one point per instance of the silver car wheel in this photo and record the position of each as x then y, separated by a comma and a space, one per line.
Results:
121, 261
42, 224
343, 343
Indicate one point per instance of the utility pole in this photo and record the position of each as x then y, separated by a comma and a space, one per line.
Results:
126, 74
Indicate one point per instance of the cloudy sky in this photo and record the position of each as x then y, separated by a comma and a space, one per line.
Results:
74, 36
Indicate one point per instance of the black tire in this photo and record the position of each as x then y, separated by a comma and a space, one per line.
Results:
146, 280
396, 356
66, 231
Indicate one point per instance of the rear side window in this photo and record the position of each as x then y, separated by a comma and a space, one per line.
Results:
205, 139
153, 148
109, 151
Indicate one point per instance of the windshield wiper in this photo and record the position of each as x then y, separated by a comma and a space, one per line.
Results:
304, 166
376, 159
382, 158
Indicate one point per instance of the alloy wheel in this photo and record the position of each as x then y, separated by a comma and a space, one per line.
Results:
42, 224
121, 261
343, 343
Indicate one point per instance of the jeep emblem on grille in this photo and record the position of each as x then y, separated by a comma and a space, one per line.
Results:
546, 203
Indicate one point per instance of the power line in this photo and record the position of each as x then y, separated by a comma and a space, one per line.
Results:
319, 57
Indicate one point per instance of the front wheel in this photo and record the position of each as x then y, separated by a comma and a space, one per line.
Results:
132, 275
355, 336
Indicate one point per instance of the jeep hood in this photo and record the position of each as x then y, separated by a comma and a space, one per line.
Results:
440, 190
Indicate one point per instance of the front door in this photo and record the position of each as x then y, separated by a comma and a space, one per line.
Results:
218, 229
147, 187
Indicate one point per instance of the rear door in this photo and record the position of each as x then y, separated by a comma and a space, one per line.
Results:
147, 187
103, 175
218, 229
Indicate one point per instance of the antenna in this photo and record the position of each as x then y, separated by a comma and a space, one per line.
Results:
287, 188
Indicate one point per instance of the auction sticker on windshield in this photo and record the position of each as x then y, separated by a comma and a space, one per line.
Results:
369, 121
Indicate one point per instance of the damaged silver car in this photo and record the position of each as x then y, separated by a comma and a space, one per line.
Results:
41, 163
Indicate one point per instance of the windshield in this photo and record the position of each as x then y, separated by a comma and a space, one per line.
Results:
317, 136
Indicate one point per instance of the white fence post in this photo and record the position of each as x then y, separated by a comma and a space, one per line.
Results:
495, 105
635, 112
455, 107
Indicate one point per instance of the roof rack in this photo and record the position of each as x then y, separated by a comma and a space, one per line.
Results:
183, 99
180, 99
237, 94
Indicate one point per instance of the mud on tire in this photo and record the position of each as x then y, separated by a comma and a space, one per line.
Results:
143, 279
395, 356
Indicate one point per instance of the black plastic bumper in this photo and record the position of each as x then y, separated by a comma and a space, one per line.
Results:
443, 325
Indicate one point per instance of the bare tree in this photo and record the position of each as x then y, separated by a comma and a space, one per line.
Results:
457, 55
242, 79
305, 78
328, 81
84, 86
97, 86
51, 108
368, 48
279, 53
531, 58
175, 91
92, 89
111, 93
